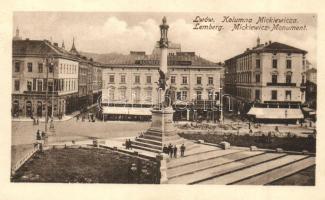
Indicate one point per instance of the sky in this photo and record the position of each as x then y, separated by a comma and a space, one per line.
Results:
138, 31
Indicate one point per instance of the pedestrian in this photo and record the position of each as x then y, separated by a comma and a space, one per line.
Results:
165, 149
249, 125
38, 135
175, 151
37, 120
183, 150
130, 144
77, 117
170, 150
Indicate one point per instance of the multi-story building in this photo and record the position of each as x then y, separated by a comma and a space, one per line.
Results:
311, 88
131, 81
270, 76
40, 67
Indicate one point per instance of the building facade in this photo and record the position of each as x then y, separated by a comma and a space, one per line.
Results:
270, 75
39, 67
131, 81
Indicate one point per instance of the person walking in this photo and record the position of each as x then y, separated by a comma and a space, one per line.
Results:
170, 150
130, 144
175, 151
165, 149
183, 150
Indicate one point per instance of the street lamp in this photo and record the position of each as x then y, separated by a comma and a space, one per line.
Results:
48, 62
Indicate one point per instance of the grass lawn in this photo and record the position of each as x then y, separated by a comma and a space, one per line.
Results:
85, 166
286, 143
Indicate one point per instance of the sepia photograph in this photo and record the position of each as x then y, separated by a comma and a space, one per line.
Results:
164, 98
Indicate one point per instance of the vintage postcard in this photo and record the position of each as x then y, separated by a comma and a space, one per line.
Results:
165, 99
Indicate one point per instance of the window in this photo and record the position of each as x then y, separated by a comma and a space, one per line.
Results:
149, 95
216, 96
111, 94
122, 78
258, 78
210, 95
39, 85
184, 79
288, 64
210, 80
274, 78
51, 68
30, 67
40, 67
29, 85
178, 95
274, 95
122, 94
137, 79
184, 95
257, 94
274, 63
17, 67
288, 78
199, 80
17, 85
258, 63
198, 95
303, 79
148, 79
173, 79
288, 95
111, 78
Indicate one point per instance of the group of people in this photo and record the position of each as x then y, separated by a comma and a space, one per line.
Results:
91, 117
40, 135
128, 144
172, 150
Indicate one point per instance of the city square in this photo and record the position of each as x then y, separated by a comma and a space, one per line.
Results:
170, 116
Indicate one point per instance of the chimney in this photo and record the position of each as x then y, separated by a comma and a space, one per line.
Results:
270, 42
27, 39
56, 44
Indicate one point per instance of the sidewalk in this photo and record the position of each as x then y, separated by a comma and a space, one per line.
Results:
42, 119
64, 118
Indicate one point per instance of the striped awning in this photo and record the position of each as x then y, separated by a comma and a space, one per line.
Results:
126, 111
276, 113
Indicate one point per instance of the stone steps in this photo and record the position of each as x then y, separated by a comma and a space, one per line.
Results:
152, 137
209, 163
278, 173
253, 170
146, 148
151, 146
144, 140
229, 167
198, 156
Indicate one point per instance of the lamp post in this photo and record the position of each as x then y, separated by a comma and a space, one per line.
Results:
48, 63
221, 106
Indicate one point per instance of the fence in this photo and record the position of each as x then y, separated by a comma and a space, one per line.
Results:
20, 162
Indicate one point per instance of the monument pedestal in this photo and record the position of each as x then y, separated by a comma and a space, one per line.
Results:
161, 132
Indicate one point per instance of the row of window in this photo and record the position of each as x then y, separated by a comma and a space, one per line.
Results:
30, 67
180, 95
67, 69
40, 85
148, 79
246, 93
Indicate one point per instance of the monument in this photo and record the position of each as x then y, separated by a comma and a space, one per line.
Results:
162, 131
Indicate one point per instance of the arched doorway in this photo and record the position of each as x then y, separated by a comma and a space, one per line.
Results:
39, 109
29, 109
